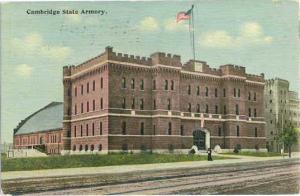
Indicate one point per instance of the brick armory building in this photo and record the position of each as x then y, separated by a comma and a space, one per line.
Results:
117, 102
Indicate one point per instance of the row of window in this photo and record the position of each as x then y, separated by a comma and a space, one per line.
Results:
236, 92
87, 147
88, 106
88, 87
87, 132
169, 129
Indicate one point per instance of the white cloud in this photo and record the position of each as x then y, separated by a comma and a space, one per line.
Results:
148, 24
251, 33
34, 46
24, 70
171, 25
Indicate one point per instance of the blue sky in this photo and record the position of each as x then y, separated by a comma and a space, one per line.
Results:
261, 35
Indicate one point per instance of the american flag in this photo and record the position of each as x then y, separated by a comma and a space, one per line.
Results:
184, 15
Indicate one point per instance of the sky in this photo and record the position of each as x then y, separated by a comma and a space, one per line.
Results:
261, 35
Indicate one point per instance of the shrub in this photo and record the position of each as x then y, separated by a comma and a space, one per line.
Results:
192, 151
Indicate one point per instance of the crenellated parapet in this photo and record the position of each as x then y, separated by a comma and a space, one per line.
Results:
127, 58
166, 59
256, 78
230, 69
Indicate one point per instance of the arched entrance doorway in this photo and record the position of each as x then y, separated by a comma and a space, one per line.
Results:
201, 139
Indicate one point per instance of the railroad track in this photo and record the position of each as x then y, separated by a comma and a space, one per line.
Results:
203, 180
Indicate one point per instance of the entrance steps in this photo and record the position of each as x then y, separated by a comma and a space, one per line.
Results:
17, 153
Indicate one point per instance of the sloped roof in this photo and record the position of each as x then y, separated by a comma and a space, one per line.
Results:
48, 118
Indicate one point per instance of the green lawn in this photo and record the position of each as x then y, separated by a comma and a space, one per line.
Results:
72, 161
256, 154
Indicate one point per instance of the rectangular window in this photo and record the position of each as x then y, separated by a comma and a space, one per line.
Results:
142, 85
124, 103
169, 104
198, 90
132, 83
100, 128
238, 131
87, 107
170, 128
74, 131
94, 107
93, 129
216, 92
101, 83
181, 130
239, 93
82, 89
172, 85
206, 91
141, 104
219, 131
123, 128
154, 85
75, 91
224, 110
249, 112
142, 128
216, 109
87, 129
254, 97
101, 103
75, 108
88, 87
81, 131
94, 85
237, 111
255, 132
154, 104
234, 92
224, 92
189, 89
123, 82
166, 85
133, 103
81, 107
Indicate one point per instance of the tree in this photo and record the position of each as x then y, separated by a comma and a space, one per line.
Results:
289, 137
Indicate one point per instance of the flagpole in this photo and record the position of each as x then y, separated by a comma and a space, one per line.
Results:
193, 34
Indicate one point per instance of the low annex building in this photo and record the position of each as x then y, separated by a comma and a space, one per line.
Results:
120, 102
42, 129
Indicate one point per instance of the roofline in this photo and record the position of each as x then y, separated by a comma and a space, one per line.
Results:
28, 117
48, 130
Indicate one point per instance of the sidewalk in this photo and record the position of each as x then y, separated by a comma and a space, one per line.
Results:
129, 168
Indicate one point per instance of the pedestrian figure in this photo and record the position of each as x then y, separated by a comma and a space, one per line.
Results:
209, 158
281, 152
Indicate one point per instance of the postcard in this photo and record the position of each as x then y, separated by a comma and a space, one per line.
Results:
150, 97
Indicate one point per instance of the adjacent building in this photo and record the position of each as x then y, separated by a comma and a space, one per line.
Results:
119, 102
282, 109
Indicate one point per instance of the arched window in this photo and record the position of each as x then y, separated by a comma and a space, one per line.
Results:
254, 112
74, 147
92, 147
239, 93
234, 92
206, 108
80, 147
154, 104
206, 91
216, 109
254, 97
86, 148
94, 85
88, 87
87, 107
189, 107
189, 89
198, 90
181, 130
249, 96
249, 112
219, 131
216, 92
94, 105
224, 109
100, 147
81, 131
141, 104
224, 92
74, 131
